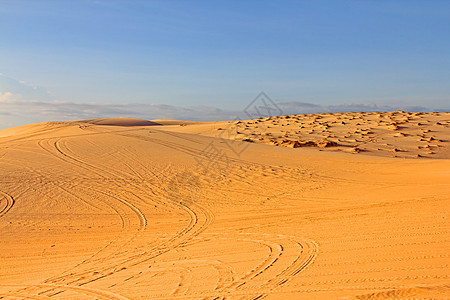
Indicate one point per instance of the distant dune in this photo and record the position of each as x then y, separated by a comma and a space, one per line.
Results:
134, 122
323, 206
119, 122
176, 122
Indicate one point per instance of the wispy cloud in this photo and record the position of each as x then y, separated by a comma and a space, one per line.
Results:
58, 110
303, 107
20, 89
21, 104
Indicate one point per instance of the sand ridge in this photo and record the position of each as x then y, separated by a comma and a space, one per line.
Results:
96, 211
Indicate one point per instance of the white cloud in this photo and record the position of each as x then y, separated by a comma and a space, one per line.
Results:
6, 97
22, 90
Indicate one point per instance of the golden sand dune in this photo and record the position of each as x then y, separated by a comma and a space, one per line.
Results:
96, 211
392, 134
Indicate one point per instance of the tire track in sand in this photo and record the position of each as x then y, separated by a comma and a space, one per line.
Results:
7, 202
288, 256
306, 254
194, 219
40, 289
55, 150
193, 214
193, 229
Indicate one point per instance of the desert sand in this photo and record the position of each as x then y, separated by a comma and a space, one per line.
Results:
325, 206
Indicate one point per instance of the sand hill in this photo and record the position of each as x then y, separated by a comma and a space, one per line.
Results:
351, 206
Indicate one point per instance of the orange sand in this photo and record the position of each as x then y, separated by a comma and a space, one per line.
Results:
111, 209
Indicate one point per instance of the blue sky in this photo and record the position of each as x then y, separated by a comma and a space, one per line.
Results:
219, 55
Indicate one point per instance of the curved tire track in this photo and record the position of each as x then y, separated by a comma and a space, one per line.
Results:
57, 289
7, 203
307, 251
58, 149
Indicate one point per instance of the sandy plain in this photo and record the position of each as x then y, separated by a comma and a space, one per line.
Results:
324, 206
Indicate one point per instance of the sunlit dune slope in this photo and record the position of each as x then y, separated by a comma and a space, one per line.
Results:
390, 134
94, 211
